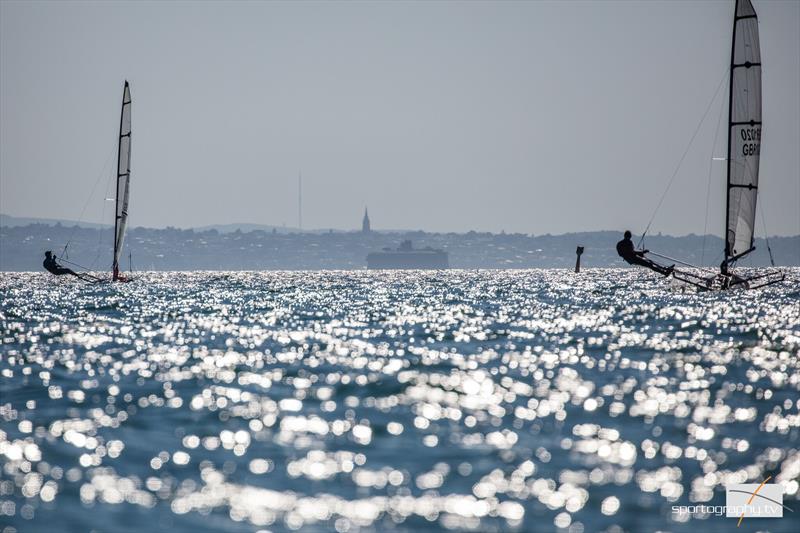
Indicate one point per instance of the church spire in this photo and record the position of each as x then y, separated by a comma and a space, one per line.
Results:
365, 226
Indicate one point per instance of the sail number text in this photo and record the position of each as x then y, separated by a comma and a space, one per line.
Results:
751, 138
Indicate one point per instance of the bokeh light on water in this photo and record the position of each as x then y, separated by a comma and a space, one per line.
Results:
364, 401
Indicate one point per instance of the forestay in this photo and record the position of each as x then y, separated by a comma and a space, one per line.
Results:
744, 146
123, 176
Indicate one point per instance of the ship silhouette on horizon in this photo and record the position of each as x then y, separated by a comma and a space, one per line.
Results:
406, 257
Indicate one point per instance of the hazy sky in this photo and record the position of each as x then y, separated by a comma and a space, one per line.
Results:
446, 116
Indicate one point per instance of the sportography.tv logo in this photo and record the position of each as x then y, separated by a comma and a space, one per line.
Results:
754, 500
742, 500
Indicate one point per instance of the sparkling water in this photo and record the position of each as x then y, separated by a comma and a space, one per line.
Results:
372, 401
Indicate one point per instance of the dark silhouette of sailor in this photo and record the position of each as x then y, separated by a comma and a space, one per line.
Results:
51, 265
632, 256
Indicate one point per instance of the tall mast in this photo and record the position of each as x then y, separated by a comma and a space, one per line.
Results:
115, 264
300, 200
724, 265
123, 177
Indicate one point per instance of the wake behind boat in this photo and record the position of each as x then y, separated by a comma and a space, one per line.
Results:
743, 157
123, 178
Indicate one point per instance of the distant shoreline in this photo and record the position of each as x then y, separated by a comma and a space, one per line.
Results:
172, 249
10, 221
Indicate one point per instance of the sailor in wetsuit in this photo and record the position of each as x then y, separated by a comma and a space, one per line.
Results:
51, 265
632, 256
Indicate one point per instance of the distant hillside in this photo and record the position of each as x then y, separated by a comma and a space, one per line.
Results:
245, 227
10, 221
22, 248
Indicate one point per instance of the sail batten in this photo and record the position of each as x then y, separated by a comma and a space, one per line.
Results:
744, 132
123, 177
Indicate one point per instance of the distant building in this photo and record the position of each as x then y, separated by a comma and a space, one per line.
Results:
365, 227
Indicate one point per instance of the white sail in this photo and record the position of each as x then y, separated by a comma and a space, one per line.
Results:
744, 145
123, 175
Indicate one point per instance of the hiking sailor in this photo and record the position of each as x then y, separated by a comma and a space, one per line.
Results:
51, 265
632, 256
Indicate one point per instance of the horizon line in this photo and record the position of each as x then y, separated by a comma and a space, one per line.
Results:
291, 229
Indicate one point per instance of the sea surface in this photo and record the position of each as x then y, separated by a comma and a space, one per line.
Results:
531, 400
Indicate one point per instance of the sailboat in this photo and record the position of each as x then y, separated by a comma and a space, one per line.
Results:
123, 180
743, 157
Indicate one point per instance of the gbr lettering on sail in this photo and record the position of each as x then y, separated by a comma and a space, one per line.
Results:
751, 141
